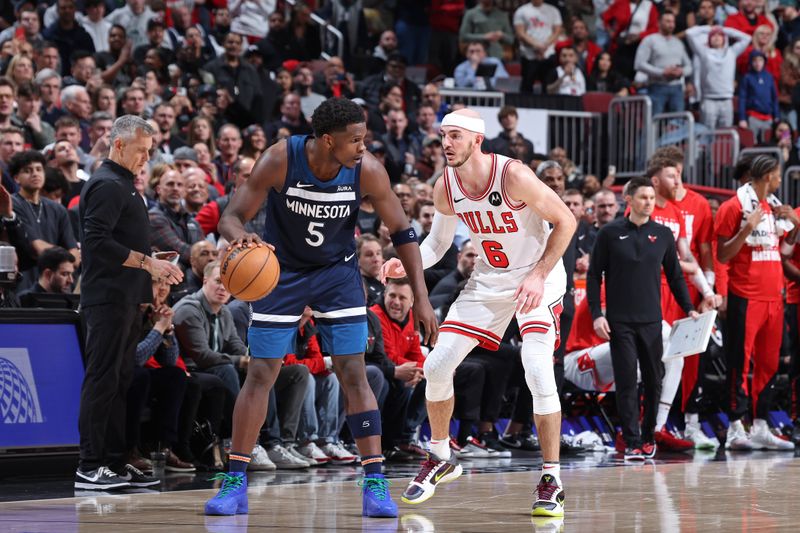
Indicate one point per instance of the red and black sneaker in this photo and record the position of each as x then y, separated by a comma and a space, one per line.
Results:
434, 471
634, 454
549, 496
669, 442
649, 450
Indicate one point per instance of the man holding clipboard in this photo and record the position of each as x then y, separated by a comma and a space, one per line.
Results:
629, 253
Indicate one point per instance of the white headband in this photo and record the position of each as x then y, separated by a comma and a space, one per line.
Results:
458, 120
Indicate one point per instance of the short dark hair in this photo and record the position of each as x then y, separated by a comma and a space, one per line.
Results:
637, 183
53, 257
479, 42
23, 159
762, 165
571, 192
77, 55
7, 82
55, 180
335, 114
28, 89
398, 281
67, 122
507, 110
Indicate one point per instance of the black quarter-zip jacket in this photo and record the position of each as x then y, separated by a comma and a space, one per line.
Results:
630, 257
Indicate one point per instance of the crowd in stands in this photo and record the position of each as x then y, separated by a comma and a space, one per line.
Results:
221, 81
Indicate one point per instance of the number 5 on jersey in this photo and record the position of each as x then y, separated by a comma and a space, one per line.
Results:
494, 254
315, 238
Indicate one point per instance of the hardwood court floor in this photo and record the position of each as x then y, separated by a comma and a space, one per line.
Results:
756, 492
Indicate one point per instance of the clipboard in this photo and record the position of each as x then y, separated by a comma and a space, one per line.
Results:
689, 336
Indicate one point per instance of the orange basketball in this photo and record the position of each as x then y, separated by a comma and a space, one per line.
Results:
249, 274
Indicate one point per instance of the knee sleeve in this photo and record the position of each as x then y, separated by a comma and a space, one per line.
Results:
440, 364
537, 358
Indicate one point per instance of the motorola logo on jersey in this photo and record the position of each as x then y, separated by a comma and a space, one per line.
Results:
495, 199
19, 399
484, 222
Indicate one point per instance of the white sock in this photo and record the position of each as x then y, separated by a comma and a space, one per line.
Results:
692, 418
554, 469
661, 417
440, 448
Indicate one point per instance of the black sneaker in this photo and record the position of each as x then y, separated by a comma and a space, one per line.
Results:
527, 442
397, 455
136, 478
493, 443
634, 454
100, 479
569, 449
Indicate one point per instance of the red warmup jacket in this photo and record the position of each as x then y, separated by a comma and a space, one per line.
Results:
313, 358
445, 15
592, 51
401, 342
208, 217
618, 16
739, 22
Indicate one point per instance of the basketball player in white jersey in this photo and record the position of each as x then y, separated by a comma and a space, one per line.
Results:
509, 213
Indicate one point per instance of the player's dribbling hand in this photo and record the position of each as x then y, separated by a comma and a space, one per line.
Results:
248, 240
426, 319
393, 268
529, 293
602, 328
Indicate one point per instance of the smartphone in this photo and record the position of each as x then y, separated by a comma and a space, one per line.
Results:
612, 170
171, 256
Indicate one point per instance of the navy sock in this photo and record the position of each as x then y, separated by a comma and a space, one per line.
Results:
237, 462
372, 464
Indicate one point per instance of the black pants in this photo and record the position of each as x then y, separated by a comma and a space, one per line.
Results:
533, 70
480, 382
205, 398
112, 332
632, 343
163, 389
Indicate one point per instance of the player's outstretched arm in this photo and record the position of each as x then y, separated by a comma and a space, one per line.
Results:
524, 186
375, 184
268, 173
438, 241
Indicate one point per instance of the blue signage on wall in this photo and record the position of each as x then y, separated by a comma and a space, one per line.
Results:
40, 385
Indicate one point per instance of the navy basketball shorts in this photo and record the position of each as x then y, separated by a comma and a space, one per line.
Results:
335, 294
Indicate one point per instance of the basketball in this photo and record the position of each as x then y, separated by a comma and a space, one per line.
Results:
250, 274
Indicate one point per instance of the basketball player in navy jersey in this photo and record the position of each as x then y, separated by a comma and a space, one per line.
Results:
313, 186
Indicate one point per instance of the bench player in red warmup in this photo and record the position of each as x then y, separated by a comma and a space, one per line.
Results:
508, 212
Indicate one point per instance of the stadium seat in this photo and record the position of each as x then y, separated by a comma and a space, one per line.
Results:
597, 102
746, 138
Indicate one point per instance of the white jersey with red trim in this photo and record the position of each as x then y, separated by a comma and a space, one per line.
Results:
507, 234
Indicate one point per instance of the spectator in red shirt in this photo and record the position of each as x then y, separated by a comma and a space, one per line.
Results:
749, 228
579, 40
407, 392
747, 20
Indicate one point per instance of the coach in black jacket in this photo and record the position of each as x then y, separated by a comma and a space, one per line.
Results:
630, 252
117, 272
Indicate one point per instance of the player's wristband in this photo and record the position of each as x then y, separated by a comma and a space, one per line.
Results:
403, 237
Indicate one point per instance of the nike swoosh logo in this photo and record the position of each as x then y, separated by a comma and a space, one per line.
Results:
349, 257
580, 237
437, 477
623, 237
462, 198
126, 477
133, 194
305, 185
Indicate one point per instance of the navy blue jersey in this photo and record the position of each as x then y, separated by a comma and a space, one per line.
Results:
312, 222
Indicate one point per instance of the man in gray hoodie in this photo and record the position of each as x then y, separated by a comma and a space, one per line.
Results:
716, 49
